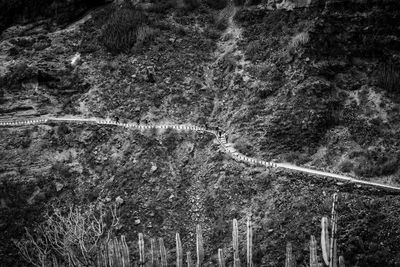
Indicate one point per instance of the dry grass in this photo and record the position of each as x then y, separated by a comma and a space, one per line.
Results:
299, 39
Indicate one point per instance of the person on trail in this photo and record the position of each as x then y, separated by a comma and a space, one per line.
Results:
226, 138
116, 119
220, 134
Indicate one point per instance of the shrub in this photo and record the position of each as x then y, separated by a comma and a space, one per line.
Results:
21, 11
217, 4
239, 2
191, 4
389, 78
162, 6
120, 32
346, 166
74, 236
222, 18
252, 49
375, 163
144, 34
212, 33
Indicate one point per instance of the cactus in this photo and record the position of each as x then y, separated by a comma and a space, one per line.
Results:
163, 253
325, 240
117, 252
154, 258
125, 252
114, 253
249, 243
313, 252
199, 246
235, 241
141, 250
333, 248
179, 255
189, 259
341, 261
329, 244
289, 255
221, 259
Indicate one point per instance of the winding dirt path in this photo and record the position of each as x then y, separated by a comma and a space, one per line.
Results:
227, 147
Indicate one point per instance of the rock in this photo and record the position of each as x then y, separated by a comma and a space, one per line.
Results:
59, 186
75, 59
119, 200
153, 168
137, 221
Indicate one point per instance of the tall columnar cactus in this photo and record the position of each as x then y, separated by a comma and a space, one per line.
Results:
125, 252
249, 243
333, 254
313, 252
189, 259
114, 253
154, 256
289, 255
179, 252
329, 244
199, 246
235, 241
341, 261
221, 259
163, 253
141, 250
325, 240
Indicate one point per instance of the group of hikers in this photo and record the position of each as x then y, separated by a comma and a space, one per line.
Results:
219, 132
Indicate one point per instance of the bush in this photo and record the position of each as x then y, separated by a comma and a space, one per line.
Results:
162, 6
144, 34
21, 11
222, 19
74, 236
389, 78
217, 4
346, 166
239, 2
120, 32
191, 4
212, 33
376, 163
252, 49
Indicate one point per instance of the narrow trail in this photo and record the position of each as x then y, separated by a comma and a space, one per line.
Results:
227, 147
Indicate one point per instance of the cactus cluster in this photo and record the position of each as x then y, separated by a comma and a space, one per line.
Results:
235, 243
328, 243
199, 246
118, 253
289, 255
114, 253
158, 256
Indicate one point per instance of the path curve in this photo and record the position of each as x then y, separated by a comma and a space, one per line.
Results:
227, 147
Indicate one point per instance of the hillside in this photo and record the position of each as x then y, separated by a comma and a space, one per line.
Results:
316, 86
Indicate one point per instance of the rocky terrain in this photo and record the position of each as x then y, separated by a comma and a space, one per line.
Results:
287, 82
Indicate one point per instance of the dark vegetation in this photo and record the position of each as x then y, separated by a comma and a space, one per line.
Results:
120, 32
389, 78
21, 11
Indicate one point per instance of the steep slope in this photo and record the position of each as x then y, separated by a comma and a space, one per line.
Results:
279, 83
